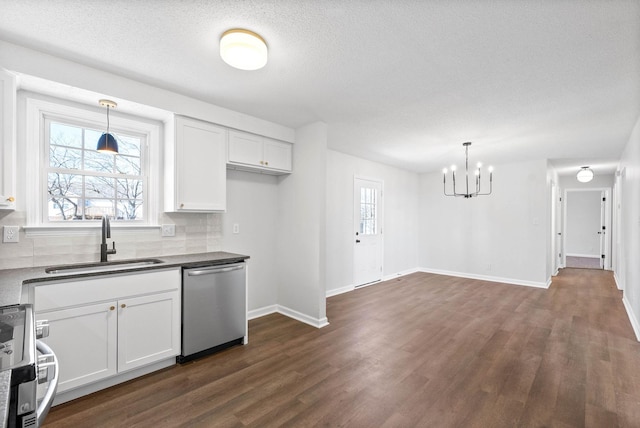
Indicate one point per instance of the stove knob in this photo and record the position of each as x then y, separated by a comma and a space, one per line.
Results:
42, 329
6, 348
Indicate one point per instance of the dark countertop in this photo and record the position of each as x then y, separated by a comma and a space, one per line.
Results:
13, 280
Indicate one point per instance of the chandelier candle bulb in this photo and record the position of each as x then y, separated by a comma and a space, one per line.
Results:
478, 175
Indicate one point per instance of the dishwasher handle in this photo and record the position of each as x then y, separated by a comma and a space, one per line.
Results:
210, 271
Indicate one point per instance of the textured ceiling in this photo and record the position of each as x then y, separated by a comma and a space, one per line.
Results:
401, 82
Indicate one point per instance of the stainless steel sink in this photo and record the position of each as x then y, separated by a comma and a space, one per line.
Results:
101, 267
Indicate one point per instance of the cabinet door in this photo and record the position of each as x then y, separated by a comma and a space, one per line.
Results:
277, 155
7, 140
84, 340
245, 149
148, 329
201, 175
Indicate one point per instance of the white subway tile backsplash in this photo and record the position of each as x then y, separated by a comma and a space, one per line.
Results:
195, 233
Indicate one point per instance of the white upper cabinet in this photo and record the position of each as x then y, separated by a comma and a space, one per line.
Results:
195, 168
7, 140
256, 153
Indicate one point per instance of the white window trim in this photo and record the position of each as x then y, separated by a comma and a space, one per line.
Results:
36, 109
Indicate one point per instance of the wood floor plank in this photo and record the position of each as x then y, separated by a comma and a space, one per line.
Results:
419, 350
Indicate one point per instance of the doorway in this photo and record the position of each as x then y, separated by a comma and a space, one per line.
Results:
587, 226
368, 244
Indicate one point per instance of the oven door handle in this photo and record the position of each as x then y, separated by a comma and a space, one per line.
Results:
47, 400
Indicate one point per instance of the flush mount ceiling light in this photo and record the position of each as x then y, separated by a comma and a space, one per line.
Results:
107, 142
585, 174
477, 173
243, 49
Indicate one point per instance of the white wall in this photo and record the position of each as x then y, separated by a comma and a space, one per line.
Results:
400, 222
301, 228
630, 227
252, 198
555, 219
503, 237
583, 220
252, 204
34, 63
598, 182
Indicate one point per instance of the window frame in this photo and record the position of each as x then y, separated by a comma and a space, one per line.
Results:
38, 111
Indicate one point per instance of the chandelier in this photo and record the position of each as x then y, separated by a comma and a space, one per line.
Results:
477, 174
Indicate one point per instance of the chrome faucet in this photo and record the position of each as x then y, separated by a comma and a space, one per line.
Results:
106, 233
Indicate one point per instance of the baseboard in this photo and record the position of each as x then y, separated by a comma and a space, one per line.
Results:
399, 274
72, 394
488, 278
341, 290
288, 312
350, 287
260, 312
291, 313
618, 283
589, 256
632, 318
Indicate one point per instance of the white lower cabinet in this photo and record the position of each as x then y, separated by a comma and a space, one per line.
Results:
147, 329
85, 342
135, 323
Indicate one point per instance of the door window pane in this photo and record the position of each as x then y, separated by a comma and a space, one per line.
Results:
368, 211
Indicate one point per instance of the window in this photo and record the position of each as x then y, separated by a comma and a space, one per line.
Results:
368, 211
70, 184
83, 184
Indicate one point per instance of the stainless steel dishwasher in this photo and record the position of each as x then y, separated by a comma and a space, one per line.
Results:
214, 309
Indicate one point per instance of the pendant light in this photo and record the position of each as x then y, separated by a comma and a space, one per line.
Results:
107, 142
243, 49
585, 174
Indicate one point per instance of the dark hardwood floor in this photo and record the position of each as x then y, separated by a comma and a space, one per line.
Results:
423, 350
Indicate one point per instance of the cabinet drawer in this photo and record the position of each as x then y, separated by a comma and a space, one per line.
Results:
81, 291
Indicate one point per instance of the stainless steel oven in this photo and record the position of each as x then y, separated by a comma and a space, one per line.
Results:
29, 366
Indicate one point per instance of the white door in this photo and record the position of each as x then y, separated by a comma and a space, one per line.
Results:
367, 261
604, 232
559, 248
556, 229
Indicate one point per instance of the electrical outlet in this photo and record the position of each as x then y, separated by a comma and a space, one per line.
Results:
236, 228
168, 230
11, 234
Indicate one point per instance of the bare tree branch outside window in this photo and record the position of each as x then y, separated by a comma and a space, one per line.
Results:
83, 184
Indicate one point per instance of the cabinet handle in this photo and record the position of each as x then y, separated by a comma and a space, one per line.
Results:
181, 205
112, 308
261, 162
266, 163
123, 306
